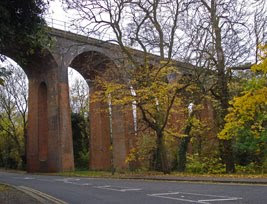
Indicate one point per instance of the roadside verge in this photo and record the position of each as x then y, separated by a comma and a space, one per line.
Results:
39, 197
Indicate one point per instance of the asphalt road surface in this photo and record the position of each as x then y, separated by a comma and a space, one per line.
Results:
115, 191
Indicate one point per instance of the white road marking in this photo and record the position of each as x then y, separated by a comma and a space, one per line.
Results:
46, 180
67, 180
86, 184
117, 188
102, 186
203, 201
180, 199
28, 178
222, 199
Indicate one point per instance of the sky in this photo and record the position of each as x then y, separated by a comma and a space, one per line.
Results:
56, 11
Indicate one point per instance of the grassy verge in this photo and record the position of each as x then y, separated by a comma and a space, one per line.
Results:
125, 174
3, 188
143, 173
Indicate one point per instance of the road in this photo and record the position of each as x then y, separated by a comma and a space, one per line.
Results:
115, 191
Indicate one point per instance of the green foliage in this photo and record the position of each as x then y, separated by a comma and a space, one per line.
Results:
249, 149
13, 118
80, 140
143, 152
210, 165
250, 109
246, 121
10, 155
22, 27
251, 168
82, 160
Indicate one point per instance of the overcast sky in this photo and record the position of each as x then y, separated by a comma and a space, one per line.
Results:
56, 11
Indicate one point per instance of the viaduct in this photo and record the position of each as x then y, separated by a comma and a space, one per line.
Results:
49, 141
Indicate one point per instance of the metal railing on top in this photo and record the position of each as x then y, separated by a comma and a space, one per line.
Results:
76, 29
61, 25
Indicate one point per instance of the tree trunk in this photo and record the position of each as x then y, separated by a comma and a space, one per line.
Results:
222, 83
228, 156
181, 163
160, 157
24, 155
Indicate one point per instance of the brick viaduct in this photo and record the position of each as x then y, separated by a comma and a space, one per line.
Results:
49, 141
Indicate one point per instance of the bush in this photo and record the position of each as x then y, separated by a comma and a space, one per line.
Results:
82, 162
252, 168
202, 165
80, 140
249, 149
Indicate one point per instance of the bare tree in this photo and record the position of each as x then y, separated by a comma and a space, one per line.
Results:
220, 40
259, 25
14, 107
79, 95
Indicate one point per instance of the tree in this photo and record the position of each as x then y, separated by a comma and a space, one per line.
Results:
80, 140
13, 115
155, 97
220, 40
215, 36
3, 74
151, 26
193, 128
79, 103
79, 97
22, 28
259, 25
247, 117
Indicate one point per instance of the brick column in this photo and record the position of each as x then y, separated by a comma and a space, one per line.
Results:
123, 134
33, 163
49, 139
65, 131
100, 142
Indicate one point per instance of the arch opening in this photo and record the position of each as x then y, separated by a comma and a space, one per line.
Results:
91, 65
111, 126
79, 104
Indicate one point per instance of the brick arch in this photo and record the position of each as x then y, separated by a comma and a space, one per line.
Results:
103, 134
107, 52
91, 64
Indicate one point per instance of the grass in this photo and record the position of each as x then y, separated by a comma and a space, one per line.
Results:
85, 173
3, 188
125, 174
144, 173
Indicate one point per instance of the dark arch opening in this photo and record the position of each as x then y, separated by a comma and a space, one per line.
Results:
79, 104
91, 64
42, 123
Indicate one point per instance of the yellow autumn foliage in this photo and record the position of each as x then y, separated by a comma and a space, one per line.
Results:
250, 109
262, 67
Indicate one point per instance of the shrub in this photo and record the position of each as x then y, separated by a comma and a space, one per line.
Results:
202, 165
